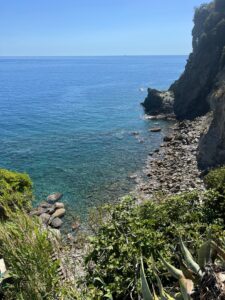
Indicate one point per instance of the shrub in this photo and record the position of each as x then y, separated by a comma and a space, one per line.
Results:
15, 191
132, 230
215, 179
27, 252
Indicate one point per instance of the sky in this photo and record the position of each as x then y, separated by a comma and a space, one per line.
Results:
96, 27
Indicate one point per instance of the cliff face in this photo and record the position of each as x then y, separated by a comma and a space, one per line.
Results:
201, 88
205, 62
192, 89
211, 150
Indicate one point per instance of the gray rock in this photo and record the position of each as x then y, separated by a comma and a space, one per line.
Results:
51, 209
45, 204
168, 138
56, 223
60, 212
54, 197
38, 211
45, 218
59, 205
155, 129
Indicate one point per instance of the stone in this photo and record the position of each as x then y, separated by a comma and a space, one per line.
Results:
159, 102
60, 212
45, 218
38, 211
135, 133
45, 204
155, 129
51, 210
167, 138
56, 223
59, 205
54, 197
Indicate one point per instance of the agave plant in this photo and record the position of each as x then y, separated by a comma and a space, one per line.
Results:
204, 280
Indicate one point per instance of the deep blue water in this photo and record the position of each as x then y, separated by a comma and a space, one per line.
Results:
68, 122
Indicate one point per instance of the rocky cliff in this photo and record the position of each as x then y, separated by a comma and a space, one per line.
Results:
201, 88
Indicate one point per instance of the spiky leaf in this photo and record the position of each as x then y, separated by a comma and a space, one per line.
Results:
173, 271
146, 293
189, 259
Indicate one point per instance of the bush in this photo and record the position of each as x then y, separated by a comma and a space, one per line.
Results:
132, 230
15, 191
27, 251
215, 179
214, 199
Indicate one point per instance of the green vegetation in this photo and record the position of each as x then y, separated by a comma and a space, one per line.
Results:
27, 247
197, 280
130, 230
15, 191
27, 251
215, 179
123, 233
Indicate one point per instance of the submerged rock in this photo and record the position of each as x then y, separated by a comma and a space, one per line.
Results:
54, 197
156, 129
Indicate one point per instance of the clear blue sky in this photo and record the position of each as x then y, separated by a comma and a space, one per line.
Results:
96, 27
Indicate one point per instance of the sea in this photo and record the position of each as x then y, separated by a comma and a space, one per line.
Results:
76, 126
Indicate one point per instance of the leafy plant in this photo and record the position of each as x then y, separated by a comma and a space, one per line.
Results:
149, 228
198, 280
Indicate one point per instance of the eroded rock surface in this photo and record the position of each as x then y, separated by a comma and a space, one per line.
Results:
201, 87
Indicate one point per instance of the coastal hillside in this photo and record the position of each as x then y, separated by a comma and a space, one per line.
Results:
165, 239
201, 88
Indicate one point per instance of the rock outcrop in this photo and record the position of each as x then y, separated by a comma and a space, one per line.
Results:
205, 62
211, 150
192, 89
159, 102
201, 88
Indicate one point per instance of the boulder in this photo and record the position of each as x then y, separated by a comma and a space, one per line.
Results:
167, 138
155, 129
45, 218
56, 223
158, 102
54, 197
45, 204
59, 205
60, 212
38, 211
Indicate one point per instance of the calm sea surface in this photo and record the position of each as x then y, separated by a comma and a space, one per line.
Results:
68, 122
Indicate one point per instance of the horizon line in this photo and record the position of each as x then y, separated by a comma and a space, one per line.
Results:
119, 55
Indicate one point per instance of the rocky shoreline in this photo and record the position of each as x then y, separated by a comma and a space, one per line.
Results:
173, 167
50, 211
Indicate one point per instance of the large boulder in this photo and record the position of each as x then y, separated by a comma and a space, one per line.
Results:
158, 102
188, 96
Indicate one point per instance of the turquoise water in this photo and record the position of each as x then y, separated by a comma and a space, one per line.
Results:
68, 122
